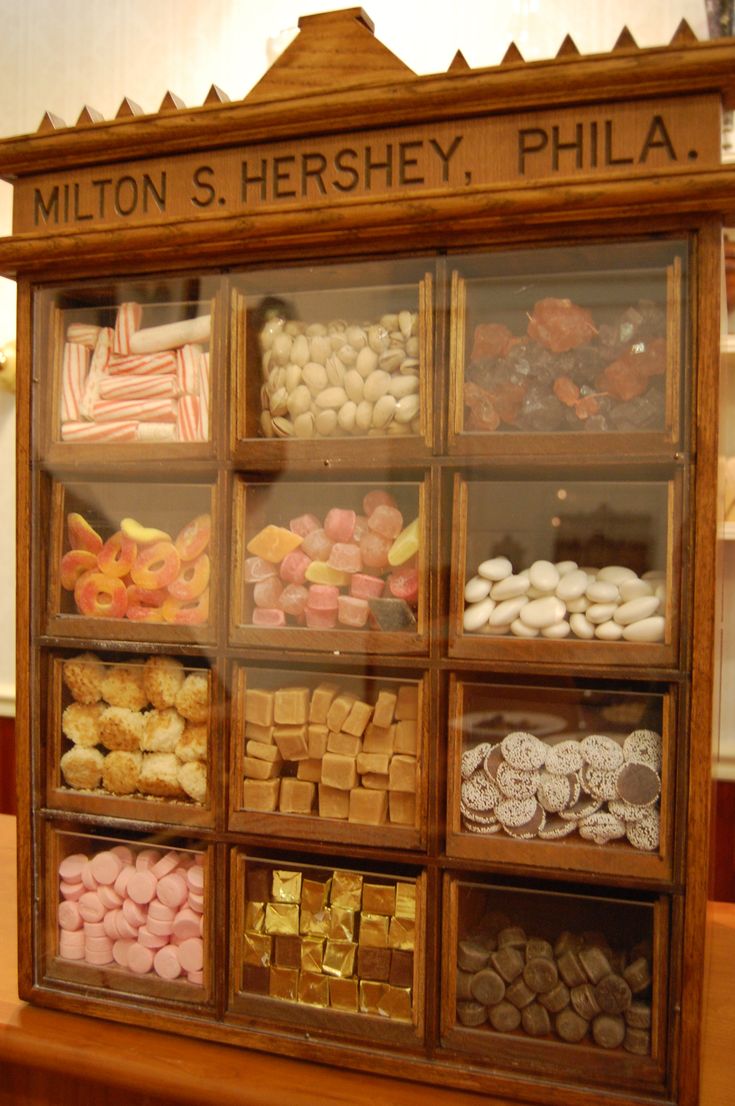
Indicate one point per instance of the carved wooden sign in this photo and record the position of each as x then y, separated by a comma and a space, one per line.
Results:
632, 138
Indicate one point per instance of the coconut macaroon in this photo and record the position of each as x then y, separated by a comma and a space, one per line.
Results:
82, 767
83, 675
121, 728
193, 780
159, 776
162, 731
193, 743
162, 680
123, 686
80, 722
121, 772
192, 699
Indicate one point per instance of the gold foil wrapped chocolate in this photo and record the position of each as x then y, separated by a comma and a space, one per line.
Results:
316, 925
282, 917
314, 989
286, 886
312, 954
374, 930
378, 898
339, 958
342, 924
284, 984
315, 895
347, 890
395, 1002
343, 994
402, 934
371, 996
405, 900
254, 917
256, 949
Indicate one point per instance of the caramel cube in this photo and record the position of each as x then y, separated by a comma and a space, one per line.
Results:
407, 705
339, 771
314, 895
401, 968
339, 710
379, 739
371, 995
284, 984
346, 890
254, 917
255, 979
291, 742
256, 949
260, 795
402, 773
373, 963
405, 900
255, 769
374, 930
297, 796
339, 958
377, 763
402, 933
282, 918
368, 807
287, 952
384, 709
291, 706
314, 989
254, 732
344, 744
396, 1003
407, 737
312, 954
343, 994
259, 706
342, 926
379, 898
317, 737
309, 770
375, 782
316, 924
286, 886
402, 808
258, 882
321, 701
262, 750
333, 802
358, 718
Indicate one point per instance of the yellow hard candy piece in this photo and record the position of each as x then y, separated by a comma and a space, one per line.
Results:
142, 535
319, 572
272, 543
405, 545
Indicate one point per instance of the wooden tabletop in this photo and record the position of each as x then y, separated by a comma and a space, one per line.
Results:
64, 1059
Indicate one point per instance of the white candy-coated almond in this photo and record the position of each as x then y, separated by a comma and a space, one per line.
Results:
316, 330
636, 609
497, 568
407, 408
300, 350
603, 591
477, 615
346, 416
540, 613
580, 627
299, 401
383, 411
399, 428
578, 606
507, 611
376, 385
389, 321
609, 631
367, 361
476, 589
276, 379
519, 629
283, 428
325, 422
572, 584
364, 415
543, 575
294, 327
537, 593
510, 587
557, 631
634, 589
565, 567
266, 424
600, 612
654, 574
616, 574
412, 346
410, 365
314, 377
303, 425
648, 629
354, 385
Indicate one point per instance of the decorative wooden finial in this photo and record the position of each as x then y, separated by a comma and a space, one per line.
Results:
625, 41
171, 102
216, 96
127, 108
50, 122
512, 55
459, 64
568, 48
89, 115
683, 35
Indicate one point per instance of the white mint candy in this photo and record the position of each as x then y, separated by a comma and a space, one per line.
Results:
572, 585
494, 631
648, 629
636, 610
660, 593
538, 593
654, 574
540, 613
520, 629
602, 591
477, 614
495, 569
476, 589
543, 575
581, 627
600, 612
616, 574
507, 611
510, 587
578, 606
609, 631
557, 630
565, 567
634, 589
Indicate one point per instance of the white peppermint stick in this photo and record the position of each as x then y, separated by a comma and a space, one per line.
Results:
85, 334
171, 335
156, 432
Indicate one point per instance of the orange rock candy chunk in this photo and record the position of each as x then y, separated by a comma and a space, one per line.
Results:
272, 543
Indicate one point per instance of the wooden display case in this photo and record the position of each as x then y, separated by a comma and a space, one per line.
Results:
536, 286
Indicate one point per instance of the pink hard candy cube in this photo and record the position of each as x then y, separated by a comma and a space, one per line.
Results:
268, 616
374, 550
317, 619
404, 584
292, 599
255, 568
293, 567
345, 557
317, 545
304, 524
377, 498
363, 586
266, 593
352, 611
386, 520
322, 597
339, 524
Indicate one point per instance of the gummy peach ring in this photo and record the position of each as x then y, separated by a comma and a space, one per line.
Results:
156, 566
100, 596
193, 539
117, 555
145, 605
73, 565
192, 580
193, 613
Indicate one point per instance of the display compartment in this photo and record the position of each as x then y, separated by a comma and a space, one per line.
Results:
570, 777
128, 736
521, 550
332, 566
329, 951
133, 561
129, 917
569, 350
326, 356
134, 369
563, 984
329, 756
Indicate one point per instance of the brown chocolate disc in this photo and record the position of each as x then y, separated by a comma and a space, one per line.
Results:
555, 999
569, 1026
504, 1017
507, 962
535, 1020
584, 1001
637, 1041
471, 1013
464, 979
608, 1030
471, 956
555, 828
531, 828
613, 994
519, 994
487, 987
638, 784
638, 1015
541, 974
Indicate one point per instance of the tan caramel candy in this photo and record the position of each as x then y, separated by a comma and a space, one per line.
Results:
260, 795
638, 975
595, 963
637, 1041
261, 769
368, 807
259, 706
556, 999
471, 1013
379, 739
535, 1020
373, 762
401, 968
339, 710
375, 782
255, 979
487, 987
384, 709
570, 1026
508, 962
291, 706
608, 1030
310, 770
396, 1003
286, 886
287, 952
472, 955
402, 808
406, 737
291, 742
358, 718
371, 996
584, 1001
344, 743
316, 738
407, 703
638, 1015
262, 751
504, 1017
284, 984
333, 802
321, 701
402, 774
519, 994
613, 994
254, 732
314, 925
374, 963
297, 796
570, 968
254, 917
343, 994
540, 974
378, 898
339, 771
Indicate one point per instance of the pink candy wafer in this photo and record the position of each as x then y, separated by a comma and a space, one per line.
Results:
187, 421
74, 370
71, 867
268, 616
188, 369
155, 364
68, 916
121, 952
86, 334
107, 432
142, 887
71, 944
166, 962
106, 866
142, 410
127, 322
191, 954
172, 890
137, 386
72, 892
168, 863
140, 959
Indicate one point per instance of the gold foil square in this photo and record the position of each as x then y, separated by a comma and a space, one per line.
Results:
282, 917
343, 994
339, 958
396, 1003
284, 984
317, 924
312, 954
347, 890
342, 926
402, 933
314, 895
405, 900
254, 917
286, 886
256, 949
378, 898
371, 996
314, 989
374, 931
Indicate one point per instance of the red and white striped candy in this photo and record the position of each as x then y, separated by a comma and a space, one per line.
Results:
127, 322
156, 432
143, 410
137, 386
85, 334
157, 364
105, 432
74, 370
188, 419
204, 399
188, 369
101, 355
